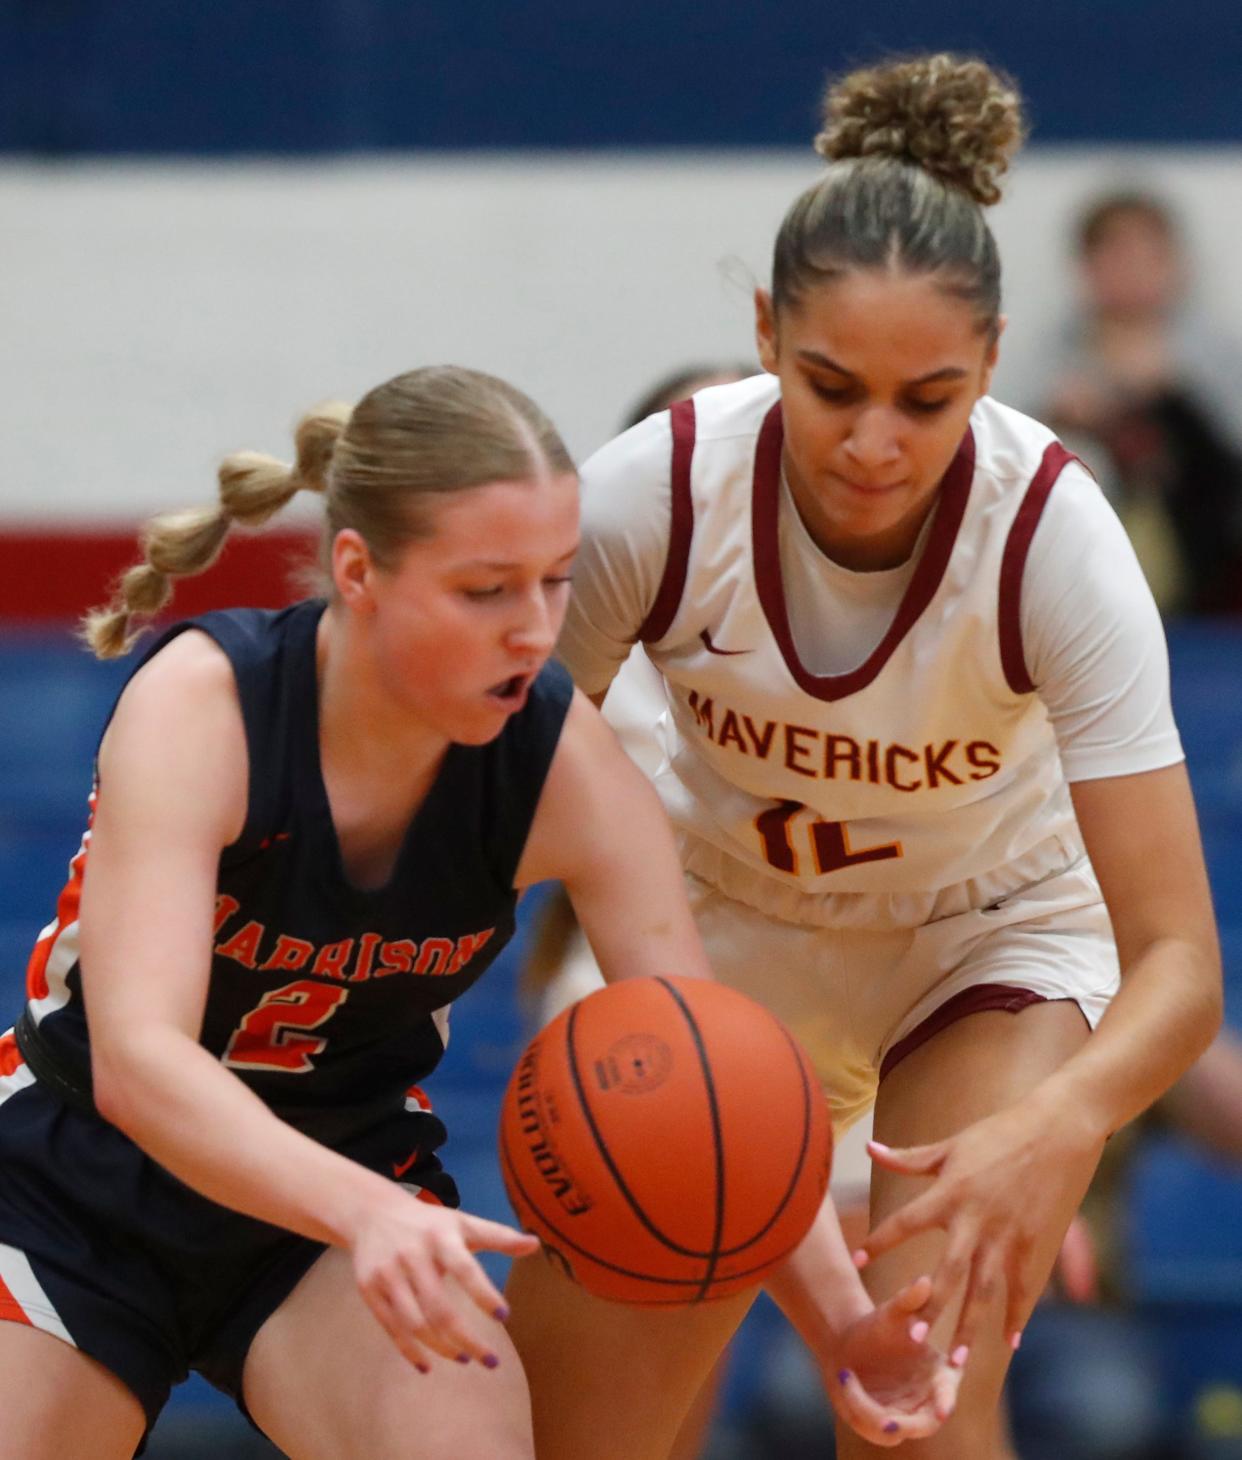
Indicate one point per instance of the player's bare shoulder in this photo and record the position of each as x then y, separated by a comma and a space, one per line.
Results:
178, 726
188, 679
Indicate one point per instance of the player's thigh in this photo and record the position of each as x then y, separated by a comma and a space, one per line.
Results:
55, 1401
324, 1381
972, 1068
798, 973
608, 1380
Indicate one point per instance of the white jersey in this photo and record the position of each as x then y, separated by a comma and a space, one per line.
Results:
836, 733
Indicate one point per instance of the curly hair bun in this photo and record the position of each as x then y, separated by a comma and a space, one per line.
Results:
956, 118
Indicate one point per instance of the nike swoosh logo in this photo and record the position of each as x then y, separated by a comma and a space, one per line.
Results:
712, 649
399, 1168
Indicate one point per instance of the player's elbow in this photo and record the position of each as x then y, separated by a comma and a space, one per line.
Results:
114, 1088
126, 1082
1207, 994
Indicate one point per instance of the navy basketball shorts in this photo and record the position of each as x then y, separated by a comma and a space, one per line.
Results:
104, 1248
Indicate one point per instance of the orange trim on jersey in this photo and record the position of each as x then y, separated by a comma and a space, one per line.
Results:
952, 497
10, 1309
428, 1196
10, 1055
66, 914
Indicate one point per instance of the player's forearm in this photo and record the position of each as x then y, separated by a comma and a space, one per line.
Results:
175, 1101
1164, 1016
818, 1288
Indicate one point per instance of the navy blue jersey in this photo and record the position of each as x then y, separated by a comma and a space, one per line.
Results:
328, 1000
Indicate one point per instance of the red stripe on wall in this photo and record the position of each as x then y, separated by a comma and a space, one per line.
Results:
56, 575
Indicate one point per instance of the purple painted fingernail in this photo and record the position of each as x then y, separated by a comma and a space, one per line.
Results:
423, 1368
490, 1361
463, 1358
844, 1376
502, 1313
891, 1427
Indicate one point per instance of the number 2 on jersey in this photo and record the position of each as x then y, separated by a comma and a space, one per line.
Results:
829, 841
269, 1037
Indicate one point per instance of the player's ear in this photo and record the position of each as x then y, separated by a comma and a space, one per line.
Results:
353, 570
765, 330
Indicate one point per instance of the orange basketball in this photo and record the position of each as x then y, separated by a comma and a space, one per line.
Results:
667, 1140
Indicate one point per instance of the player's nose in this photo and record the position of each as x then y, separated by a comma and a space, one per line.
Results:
874, 441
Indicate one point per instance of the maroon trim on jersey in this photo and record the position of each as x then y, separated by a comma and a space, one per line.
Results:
980, 999
1013, 565
954, 492
677, 562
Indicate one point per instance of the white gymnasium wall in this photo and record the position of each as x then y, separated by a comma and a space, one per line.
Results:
153, 316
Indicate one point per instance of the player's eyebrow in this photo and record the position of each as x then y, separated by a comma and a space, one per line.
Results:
817, 357
496, 566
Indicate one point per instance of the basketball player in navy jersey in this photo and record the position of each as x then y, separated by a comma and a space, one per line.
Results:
307, 830
922, 764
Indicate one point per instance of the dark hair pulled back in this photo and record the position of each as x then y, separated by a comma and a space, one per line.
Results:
916, 149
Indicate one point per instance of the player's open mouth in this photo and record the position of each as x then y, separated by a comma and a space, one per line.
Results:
511, 692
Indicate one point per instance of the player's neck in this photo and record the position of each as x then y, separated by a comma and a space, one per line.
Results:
362, 730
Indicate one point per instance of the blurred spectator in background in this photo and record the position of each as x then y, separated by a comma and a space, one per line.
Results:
1143, 390
683, 383
1088, 1382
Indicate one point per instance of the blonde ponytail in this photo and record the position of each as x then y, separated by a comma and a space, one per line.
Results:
381, 466
252, 489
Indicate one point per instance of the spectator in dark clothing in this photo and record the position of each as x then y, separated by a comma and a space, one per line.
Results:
1151, 398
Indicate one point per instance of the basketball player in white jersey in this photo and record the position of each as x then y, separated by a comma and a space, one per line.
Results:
922, 764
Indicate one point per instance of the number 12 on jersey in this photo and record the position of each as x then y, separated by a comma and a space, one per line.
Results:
829, 842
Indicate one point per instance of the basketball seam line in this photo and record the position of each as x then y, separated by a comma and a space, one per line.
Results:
606, 1154
713, 1259
766, 1266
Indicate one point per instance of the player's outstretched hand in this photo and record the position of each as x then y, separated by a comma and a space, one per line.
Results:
413, 1263
997, 1189
888, 1382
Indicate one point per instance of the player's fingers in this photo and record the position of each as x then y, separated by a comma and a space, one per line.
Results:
480, 1235
1016, 1290
944, 1392
919, 1215
912, 1297
424, 1298
397, 1328
908, 1160
951, 1273
983, 1286
1077, 1264
863, 1415
872, 1420
477, 1286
